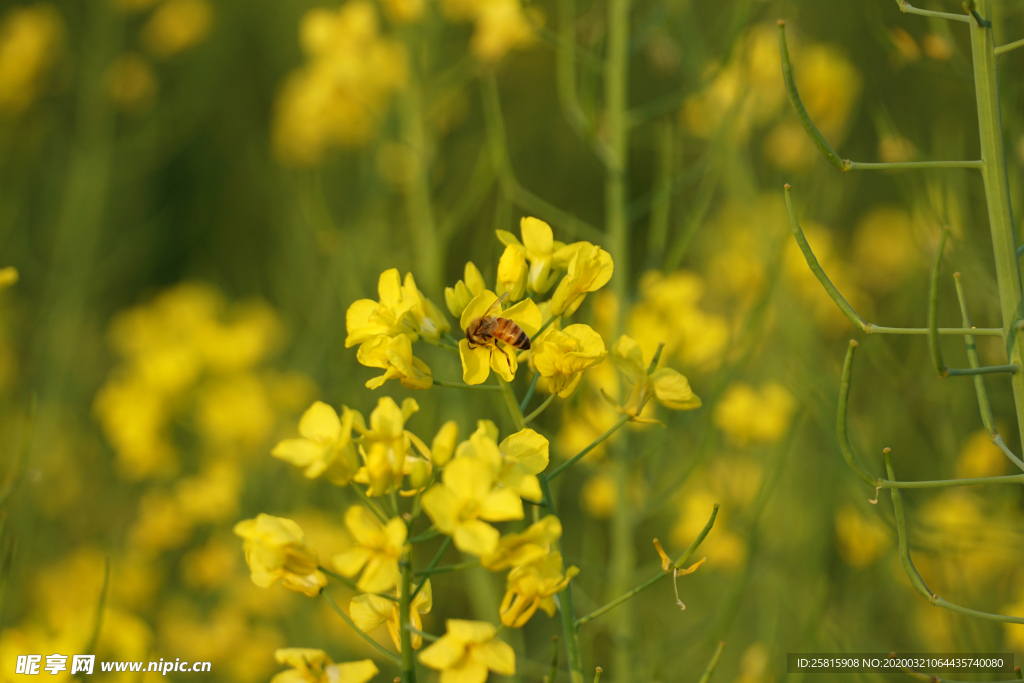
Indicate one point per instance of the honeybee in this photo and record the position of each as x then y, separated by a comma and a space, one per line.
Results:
487, 330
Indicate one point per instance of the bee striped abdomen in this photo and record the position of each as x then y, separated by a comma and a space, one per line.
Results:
510, 333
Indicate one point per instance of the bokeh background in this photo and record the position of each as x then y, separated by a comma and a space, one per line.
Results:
194, 191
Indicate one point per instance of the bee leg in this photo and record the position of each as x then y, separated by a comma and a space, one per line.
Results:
507, 358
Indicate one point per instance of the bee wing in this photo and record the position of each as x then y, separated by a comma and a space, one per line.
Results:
497, 304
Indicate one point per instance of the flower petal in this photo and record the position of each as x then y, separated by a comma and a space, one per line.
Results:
320, 423
673, 390
476, 537
500, 506
475, 362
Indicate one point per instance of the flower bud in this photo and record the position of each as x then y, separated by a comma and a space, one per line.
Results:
444, 443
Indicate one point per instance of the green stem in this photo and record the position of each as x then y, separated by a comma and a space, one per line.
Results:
404, 607
369, 503
987, 370
550, 678
463, 385
841, 426
440, 345
678, 564
513, 404
540, 409
529, 392
713, 664
391, 656
945, 483
908, 165
425, 636
1003, 49
433, 563
565, 606
997, 195
352, 584
418, 204
425, 536
449, 568
907, 8
546, 325
598, 441
933, 309
911, 570
965, 331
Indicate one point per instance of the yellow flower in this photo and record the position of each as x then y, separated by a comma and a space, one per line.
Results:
670, 388
514, 462
326, 445
478, 361
376, 552
430, 321
589, 270
275, 548
30, 39
512, 273
466, 498
131, 83
467, 651
748, 415
314, 666
599, 496
533, 586
539, 248
370, 611
859, 540
561, 356
528, 546
176, 26
443, 445
459, 296
394, 356
386, 444
367, 319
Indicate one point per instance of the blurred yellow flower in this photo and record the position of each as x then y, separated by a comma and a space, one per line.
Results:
314, 666
377, 550
275, 549
532, 586
370, 611
466, 500
212, 495
404, 11
467, 651
131, 83
30, 42
394, 356
459, 296
443, 445
884, 250
590, 269
8, 277
326, 446
669, 312
478, 361
338, 97
859, 539
501, 26
938, 47
670, 388
525, 547
748, 415
979, 457
561, 356
177, 25
599, 496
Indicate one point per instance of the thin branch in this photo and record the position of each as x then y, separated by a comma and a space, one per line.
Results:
657, 577
933, 309
433, 564
830, 154
911, 570
422, 634
987, 370
841, 427
540, 409
844, 305
713, 664
448, 568
462, 385
1003, 49
574, 459
907, 8
949, 483
529, 392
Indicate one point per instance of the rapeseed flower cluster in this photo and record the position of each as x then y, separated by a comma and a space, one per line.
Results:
31, 39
